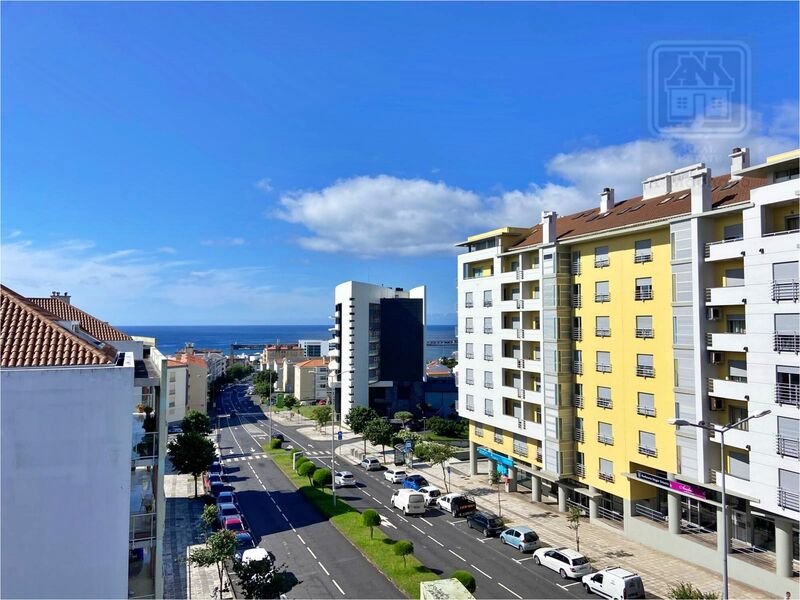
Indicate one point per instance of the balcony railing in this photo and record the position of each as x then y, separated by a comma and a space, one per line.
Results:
788, 499
146, 448
604, 402
644, 292
602, 333
576, 267
468, 304
520, 448
520, 303
601, 261
576, 300
602, 297
489, 412
142, 527
520, 393
469, 355
469, 381
577, 334
579, 435
647, 451
647, 411
605, 439
602, 368
538, 455
488, 385
785, 289
787, 393
788, 446
487, 330
577, 367
645, 371
580, 470
643, 258
488, 357
786, 341
487, 303
577, 401
606, 476
644, 333
469, 329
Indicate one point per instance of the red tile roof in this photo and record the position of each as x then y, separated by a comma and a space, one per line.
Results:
191, 358
31, 337
313, 362
98, 329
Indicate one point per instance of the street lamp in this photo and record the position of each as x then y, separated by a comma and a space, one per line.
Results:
721, 430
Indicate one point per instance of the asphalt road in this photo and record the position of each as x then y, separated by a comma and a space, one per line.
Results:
441, 542
325, 564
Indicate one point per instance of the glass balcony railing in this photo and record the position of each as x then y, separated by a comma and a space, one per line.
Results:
142, 527
145, 447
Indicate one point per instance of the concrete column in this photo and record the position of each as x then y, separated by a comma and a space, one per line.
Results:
562, 498
594, 503
536, 488
722, 544
674, 512
783, 548
511, 486
473, 458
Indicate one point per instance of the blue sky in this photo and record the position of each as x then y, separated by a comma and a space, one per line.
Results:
217, 163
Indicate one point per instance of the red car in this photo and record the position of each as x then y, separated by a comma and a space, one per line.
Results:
234, 524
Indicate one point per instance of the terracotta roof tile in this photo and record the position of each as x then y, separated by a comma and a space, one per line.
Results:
31, 337
190, 358
313, 362
93, 326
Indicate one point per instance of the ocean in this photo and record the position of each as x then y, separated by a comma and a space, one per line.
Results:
170, 338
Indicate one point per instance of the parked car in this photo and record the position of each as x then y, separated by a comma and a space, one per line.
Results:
431, 494
489, 523
226, 498
566, 562
212, 477
394, 475
415, 482
226, 510
278, 436
614, 582
244, 542
216, 488
216, 467
233, 524
409, 501
254, 555
456, 504
370, 463
522, 538
344, 479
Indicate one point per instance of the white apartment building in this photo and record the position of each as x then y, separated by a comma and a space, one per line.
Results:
311, 379
177, 391
314, 348
377, 349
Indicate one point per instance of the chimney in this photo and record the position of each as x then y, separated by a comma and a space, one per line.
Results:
606, 200
189, 348
65, 297
740, 159
549, 218
701, 190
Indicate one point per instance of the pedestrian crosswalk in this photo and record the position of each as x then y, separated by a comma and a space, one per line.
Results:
259, 455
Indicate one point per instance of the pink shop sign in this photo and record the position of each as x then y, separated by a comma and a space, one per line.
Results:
688, 489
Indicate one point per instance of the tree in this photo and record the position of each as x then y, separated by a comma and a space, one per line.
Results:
574, 522
436, 454
299, 461
370, 518
466, 578
322, 414
260, 578
403, 416
450, 363
197, 422
219, 548
322, 477
357, 420
191, 454
239, 371
209, 519
290, 402
275, 443
403, 548
307, 470
686, 591
379, 433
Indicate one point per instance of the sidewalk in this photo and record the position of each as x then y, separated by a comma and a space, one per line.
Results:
604, 545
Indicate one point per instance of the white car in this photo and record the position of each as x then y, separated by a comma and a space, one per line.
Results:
431, 494
344, 479
614, 582
370, 463
565, 562
254, 555
394, 475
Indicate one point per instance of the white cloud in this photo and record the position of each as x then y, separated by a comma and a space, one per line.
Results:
236, 241
167, 250
265, 185
14, 234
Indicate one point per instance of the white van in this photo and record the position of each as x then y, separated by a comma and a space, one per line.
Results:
614, 582
411, 502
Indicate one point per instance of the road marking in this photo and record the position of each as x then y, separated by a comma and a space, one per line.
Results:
292, 526
481, 572
482, 540
312, 553
522, 560
301, 539
273, 501
368, 494
508, 590
402, 518
284, 518
338, 587
569, 584
456, 555
437, 541
426, 520
323, 568
418, 529
387, 522
457, 522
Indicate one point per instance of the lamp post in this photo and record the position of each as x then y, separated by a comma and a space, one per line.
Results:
721, 430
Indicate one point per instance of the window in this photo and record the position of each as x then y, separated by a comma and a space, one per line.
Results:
737, 413
602, 327
577, 329
577, 362
488, 407
520, 445
792, 223
606, 470
737, 370
601, 256
644, 365
787, 332
605, 434
736, 324
601, 292
498, 435
487, 298
580, 465
785, 278
646, 404
603, 360
787, 385
734, 277
788, 484
468, 300
603, 397
644, 326
644, 288
576, 295
732, 232
478, 430
739, 464
786, 175
788, 437
647, 443
469, 353
487, 325
642, 251
468, 325
487, 352
579, 436
470, 402
470, 376
488, 381
576, 263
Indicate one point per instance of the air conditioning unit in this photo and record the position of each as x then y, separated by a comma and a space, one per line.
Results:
714, 313
715, 358
715, 403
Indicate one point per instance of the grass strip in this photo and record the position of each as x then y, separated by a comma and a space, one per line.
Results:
348, 520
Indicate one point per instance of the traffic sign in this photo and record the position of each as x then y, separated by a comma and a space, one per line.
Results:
448, 469
339, 435
408, 445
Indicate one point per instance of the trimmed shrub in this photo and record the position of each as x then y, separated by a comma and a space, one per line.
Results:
403, 548
307, 470
322, 477
466, 578
299, 461
370, 518
275, 443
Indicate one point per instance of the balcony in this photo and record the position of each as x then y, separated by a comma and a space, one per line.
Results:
469, 329
644, 292
469, 355
644, 333
734, 438
603, 368
787, 393
725, 249
576, 267
643, 257
579, 435
788, 446
488, 357
576, 301
606, 476
605, 439
577, 401
580, 470
789, 499
487, 303
725, 296
145, 447
785, 341
604, 402
601, 261
577, 334
142, 527
602, 297
645, 371
732, 390
539, 455
730, 342
646, 411
488, 385
647, 451
577, 367
468, 304
487, 330
785, 289
602, 333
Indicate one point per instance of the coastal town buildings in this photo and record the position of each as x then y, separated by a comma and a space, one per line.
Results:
377, 348
311, 379
314, 348
83, 432
582, 336
197, 382
177, 391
